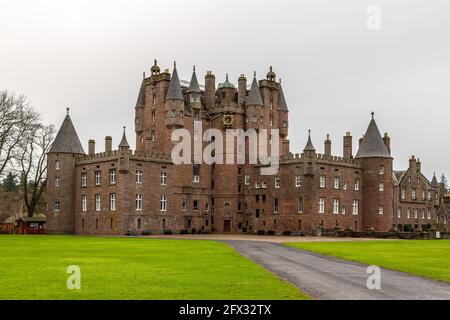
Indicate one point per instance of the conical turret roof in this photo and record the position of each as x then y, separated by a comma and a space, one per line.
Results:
434, 181
174, 92
254, 96
67, 140
124, 143
372, 145
140, 103
193, 86
282, 105
309, 146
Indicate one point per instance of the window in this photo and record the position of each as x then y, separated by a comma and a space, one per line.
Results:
112, 176
277, 182
254, 119
153, 116
56, 206
344, 209
154, 99
271, 121
381, 169
98, 178
322, 181
336, 181
429, 195
345, 186
183, 206
84, 203
275, 205
98, 202
56, 181
163, 178
163, 203
261, 119
298, 181
139, 223
380, 210
408, 213
357, 184
336, 206
112, 201
196, 116
138, 176
300, 205
381, 187
416, 213
196, 173
84, 179
429, 214
399, 213
257, 185
423, 213
271, 104
139, 202
152, 135
355, 207
423, 195
57, 165
246, 180
195, 205
403, 194
413, 194
321, 205
263, 185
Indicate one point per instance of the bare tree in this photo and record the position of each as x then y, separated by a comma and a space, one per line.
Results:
32, 164
17, 119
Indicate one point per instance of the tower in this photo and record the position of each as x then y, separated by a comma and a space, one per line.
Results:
377, 184
174, 105
62, 180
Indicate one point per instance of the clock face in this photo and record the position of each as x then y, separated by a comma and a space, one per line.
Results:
228, 120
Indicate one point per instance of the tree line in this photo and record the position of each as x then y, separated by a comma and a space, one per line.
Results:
24, 143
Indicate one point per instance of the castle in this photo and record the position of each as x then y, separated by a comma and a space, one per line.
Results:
117, 192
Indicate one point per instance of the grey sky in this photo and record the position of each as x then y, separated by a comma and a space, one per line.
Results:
90, 55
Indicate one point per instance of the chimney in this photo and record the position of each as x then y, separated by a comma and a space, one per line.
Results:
242, 89
91, 147
327, 146
387, 142
108, 144
412, 163
348, 145
210, 89
419, 165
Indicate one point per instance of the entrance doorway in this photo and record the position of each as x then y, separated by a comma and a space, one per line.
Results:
226, 225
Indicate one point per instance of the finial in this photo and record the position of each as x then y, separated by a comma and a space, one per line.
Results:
155, 62
372, 113
270, 68
174, 64
309, 132
124, 129
67, 109
328, 136
226, 78
194, 67
254, 74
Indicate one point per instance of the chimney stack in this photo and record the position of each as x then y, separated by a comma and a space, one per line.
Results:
210, 89
348, 145
327, 146
387, 142
108, 144
91, 147
242, 89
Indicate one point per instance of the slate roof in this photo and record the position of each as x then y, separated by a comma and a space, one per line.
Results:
254, 96
309, 146
174, 92
282, 105
372, 145
124, 143
193, 85
67, 140
140, 103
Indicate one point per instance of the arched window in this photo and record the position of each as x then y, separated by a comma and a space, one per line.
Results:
82, 223
112, 223
96, 223
139, 223
164, 224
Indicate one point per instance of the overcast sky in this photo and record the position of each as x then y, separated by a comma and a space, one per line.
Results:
90, 55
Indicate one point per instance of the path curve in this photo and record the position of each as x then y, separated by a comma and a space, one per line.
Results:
329, 278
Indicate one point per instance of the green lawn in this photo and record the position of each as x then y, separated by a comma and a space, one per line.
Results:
426, 258
34, 267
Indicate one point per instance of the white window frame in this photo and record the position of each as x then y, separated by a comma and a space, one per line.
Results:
163, 203
277, 182
298, 181
112, 202
355, 207
84, 179
336, 182
247, 180
163, 178
138, 202
98, 178
382, 169
381, 187
196, 179
56, 206
322, 181
112, 176
380, 210
321, 205
98, 202
83, 203
57, 165
357, 184
138, 177
57, 181
413, 194
403, 193
336, 206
